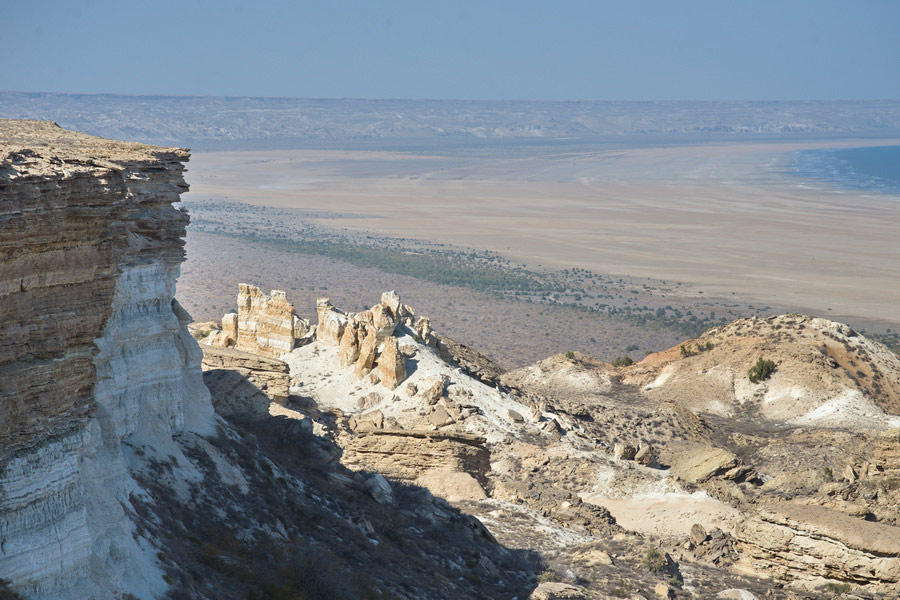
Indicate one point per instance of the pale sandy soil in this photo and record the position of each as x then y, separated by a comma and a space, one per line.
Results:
668, 515
722, 217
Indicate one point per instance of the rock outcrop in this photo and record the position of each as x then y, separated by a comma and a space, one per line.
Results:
811, 546
263, 325
94, 351
431, 457
270, 375
391, 369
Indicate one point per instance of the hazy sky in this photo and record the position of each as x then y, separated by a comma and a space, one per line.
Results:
517, 49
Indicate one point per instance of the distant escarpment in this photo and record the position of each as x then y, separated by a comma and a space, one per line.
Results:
228, 122
93, 352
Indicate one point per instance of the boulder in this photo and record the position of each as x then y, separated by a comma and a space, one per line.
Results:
645, 455
435, 391
697, 463
624, 451
698, 534
380, 489
440, 417
553, 590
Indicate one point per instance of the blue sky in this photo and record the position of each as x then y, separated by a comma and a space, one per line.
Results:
625, 50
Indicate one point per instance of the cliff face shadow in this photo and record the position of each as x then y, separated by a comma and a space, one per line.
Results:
276, 515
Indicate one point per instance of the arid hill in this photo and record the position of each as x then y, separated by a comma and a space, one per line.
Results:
825, 374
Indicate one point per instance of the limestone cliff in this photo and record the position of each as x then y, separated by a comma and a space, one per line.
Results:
94, 353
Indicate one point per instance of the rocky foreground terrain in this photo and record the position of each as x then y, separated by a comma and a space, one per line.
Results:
365, 455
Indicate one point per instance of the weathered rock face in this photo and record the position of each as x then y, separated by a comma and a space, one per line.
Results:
263, 325
391, 369
331, 323
811, 545
408, 454
270, 375
94, 353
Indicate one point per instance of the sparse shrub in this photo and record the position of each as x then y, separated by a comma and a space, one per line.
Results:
761, 370
548, 576
570, 355
623, 361
837, 588
654, 561
686, 352
631, 348
168, 579
618, 593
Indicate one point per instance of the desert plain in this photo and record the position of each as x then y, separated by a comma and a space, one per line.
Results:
727, 221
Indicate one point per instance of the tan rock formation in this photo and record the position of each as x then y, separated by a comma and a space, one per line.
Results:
267, 325
391, 369
407, 454
366, 359
392, 301
348, 351
269, 375
263, 325
809, 545
331, 323
826, 374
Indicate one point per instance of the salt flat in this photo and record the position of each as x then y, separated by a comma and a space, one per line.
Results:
728, 218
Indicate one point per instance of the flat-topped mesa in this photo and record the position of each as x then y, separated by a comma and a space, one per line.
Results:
94, 353
263, 325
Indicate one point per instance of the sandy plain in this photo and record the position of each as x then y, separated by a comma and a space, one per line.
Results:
728, 218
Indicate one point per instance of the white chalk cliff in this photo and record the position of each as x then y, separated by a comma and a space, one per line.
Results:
95, 355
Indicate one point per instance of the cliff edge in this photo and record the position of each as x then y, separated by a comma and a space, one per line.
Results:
94, 353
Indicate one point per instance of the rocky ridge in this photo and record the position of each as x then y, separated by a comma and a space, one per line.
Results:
601, 458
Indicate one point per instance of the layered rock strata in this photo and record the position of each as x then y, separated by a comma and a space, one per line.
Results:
263, 325
270, 375
408, 454
94, 354
812, 545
